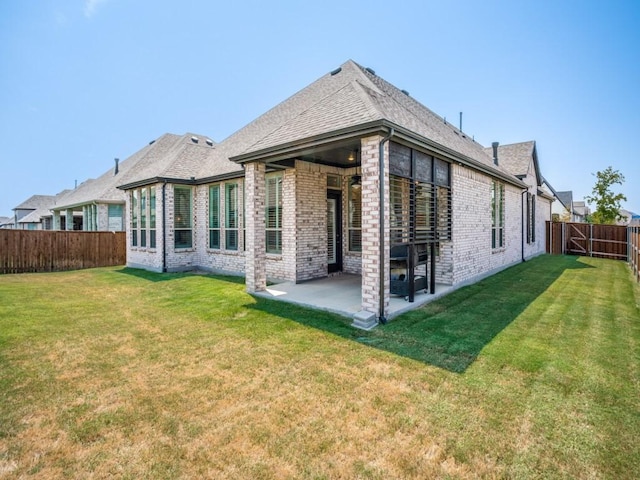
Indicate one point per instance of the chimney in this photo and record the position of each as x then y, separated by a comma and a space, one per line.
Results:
495, 152
117, 160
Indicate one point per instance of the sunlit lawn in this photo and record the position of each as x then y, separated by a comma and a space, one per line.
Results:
532, 373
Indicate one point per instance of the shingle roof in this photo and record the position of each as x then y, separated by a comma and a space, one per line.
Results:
346, 98
36, 201
566, 198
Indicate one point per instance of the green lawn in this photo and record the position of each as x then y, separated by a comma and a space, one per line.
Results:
532, 373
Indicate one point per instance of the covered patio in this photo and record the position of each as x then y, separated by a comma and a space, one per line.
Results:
342, 294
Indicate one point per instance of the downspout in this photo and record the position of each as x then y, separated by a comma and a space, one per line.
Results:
164, 227
522, 226
381, 318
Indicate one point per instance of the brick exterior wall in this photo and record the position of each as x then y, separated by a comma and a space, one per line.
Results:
283, 266
222, 261
256, 276
147, 258
371, 266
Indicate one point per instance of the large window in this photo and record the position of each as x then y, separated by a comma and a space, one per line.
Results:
214, 216
231, 216
273, 211
152, 217
224, 224
114, 213
182, 217
134, 217
143, 217
497, 215
355, 214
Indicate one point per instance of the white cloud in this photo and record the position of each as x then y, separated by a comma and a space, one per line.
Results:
91, 6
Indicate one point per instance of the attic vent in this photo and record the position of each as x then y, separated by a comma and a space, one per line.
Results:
209, 142
152, 142
336, 71
194, 139
405, 92
370, 70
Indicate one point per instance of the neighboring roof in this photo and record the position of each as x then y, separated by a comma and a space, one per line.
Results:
175, 157
566, 198
350, 100
5, 220
36, 201
518, 158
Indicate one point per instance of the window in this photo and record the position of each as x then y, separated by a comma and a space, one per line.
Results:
134, 218
143, 217
497, 215
231, 216
152, 217
115, 218
531, 218
355, 214
214, 216
273, 212
183, 234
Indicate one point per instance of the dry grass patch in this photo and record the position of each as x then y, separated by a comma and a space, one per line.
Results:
120, 373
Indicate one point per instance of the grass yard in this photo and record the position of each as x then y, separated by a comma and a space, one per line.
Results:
532, 373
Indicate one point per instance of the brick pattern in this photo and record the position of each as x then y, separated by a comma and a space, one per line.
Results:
311, 221
371, 214
150, 259
255, 189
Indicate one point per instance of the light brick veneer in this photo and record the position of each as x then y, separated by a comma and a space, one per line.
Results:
255, 189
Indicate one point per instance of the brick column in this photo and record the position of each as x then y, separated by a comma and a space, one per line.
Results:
255, 189
371, 289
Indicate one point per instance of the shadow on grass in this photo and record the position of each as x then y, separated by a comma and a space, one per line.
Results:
451, 332
163, 277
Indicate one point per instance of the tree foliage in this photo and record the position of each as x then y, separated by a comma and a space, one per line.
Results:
607, 202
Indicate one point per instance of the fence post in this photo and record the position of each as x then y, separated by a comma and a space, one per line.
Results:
591, 239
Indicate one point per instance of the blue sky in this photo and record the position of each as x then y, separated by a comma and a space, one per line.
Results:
85, 81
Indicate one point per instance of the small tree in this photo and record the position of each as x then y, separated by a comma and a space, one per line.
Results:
607, 202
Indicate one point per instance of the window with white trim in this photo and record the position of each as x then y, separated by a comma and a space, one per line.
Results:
273, 213
497, 215
182, 217
214, 217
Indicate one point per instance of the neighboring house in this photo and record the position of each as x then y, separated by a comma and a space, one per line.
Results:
6, 222
581, 211
628, 218
296, 195
99, 202
28, 215
569, 210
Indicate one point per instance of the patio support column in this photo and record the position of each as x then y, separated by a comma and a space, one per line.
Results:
69, 219
371, 289
56, 220
255, 190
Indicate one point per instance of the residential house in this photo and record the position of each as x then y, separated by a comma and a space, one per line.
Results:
99, 203
340, 177
6, 222
566, 209
28, 215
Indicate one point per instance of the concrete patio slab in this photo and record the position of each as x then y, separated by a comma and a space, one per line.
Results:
341, 294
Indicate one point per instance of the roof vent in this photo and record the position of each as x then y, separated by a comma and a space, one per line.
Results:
494, 145
152, 142
194, 139
370, 70
405, 92
209, 142
336, 71
117, 160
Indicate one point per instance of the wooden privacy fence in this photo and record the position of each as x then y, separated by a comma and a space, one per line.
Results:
634, 251
24, 251
605, 241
